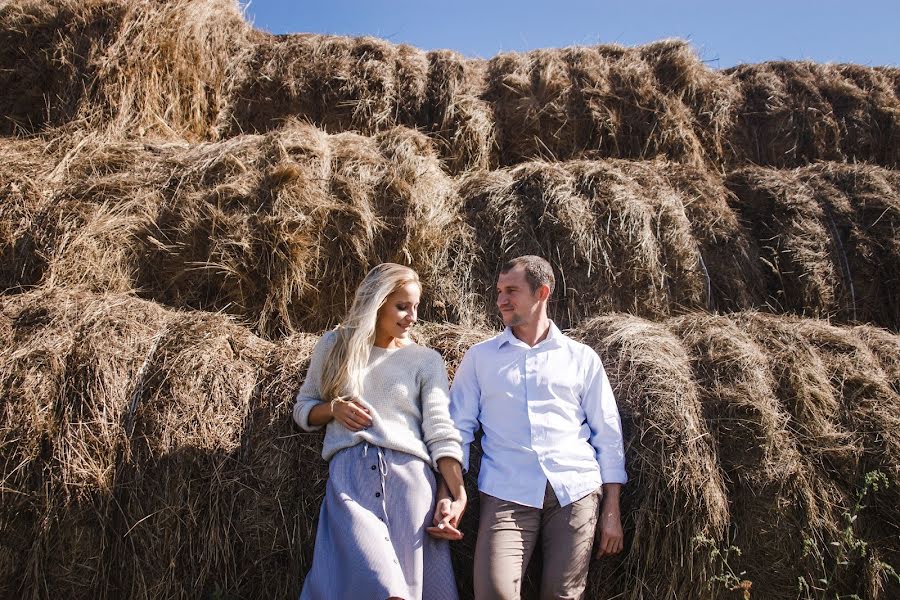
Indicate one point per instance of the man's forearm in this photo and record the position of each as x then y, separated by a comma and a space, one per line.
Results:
611, 494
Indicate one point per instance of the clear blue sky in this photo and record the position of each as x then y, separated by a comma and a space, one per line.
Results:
724, 32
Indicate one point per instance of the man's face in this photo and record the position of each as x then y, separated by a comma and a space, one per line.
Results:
517, 303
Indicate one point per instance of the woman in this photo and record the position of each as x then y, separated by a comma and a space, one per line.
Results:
384, 401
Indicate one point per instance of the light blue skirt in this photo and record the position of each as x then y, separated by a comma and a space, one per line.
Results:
371, 541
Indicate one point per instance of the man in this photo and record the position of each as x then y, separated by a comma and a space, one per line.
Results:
552, 441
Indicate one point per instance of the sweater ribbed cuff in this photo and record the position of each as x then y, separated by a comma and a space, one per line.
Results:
301, 415
445, 449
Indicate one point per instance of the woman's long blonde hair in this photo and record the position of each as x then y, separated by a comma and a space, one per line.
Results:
345, 361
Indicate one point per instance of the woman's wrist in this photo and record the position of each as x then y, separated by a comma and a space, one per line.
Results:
321, 414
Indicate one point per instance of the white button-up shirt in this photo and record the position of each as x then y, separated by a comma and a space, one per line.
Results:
548, 414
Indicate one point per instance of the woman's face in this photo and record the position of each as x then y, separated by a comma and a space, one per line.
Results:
400, 310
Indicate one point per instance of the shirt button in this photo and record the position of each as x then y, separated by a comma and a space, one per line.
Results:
378, 494
373, 467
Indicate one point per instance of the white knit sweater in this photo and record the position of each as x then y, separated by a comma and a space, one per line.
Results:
406, 392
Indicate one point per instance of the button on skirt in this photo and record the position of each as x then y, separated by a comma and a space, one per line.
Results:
371, 540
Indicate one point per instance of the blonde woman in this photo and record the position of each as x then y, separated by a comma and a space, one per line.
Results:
384, 402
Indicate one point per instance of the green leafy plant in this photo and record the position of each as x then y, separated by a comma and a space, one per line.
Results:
848, 550
723, 572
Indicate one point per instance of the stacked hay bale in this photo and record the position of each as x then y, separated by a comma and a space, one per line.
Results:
194, 202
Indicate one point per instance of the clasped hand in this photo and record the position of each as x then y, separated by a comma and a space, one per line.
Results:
347, 411
447, 515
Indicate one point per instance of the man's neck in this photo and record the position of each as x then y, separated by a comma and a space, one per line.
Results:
533, 333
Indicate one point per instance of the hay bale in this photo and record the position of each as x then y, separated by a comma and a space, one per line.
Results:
77, 211
618, 233
365, 85
22, 191
137, 438
126, 66
32, 360
589, 102
769, 485
454, 115
676, 490
732, 269
281, 228
339, 83
46, 49
827, 237
276, 229
843, 415
794, 113
710, 95
885, 347
68, 376
178, 490
282, 480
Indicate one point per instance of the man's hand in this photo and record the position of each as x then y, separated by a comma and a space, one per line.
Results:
447, 515
351, 414
611, 535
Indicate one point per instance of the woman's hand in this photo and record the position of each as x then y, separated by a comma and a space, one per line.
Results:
448, 511
351, 414
447, 515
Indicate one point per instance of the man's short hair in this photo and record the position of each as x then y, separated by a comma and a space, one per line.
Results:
538, 271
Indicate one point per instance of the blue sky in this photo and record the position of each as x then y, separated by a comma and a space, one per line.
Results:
724, 33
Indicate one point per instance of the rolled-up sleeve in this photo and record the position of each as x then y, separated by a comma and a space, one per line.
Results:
602, 415
440, 436
310, 392
465, 400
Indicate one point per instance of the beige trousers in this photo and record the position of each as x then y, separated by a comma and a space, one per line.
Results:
508, 533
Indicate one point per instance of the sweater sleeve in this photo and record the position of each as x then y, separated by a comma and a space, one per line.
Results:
310, 392
440, 435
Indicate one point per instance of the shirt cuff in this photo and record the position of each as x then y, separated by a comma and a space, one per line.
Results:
301, 415
613, 475
465, 457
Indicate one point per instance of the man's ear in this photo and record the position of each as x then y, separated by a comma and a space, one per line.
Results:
543, 292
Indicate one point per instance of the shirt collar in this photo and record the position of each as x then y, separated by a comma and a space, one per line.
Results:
554, 338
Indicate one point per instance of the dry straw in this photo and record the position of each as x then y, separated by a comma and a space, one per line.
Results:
650, 238
794, 113
366, 85
127, 67
606, 101
179, 155
281, 228
276, 229
827, 237
136, 438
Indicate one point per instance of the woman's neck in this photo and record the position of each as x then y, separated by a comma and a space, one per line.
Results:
388, 342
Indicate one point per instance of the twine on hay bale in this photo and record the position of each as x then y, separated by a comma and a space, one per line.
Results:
826, 235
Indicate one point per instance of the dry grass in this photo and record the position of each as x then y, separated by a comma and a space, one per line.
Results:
648, 238
280, 229
125, 67
676, 490
794, 113
135, 438
166, 150
828, 237
365, 85
603, 101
